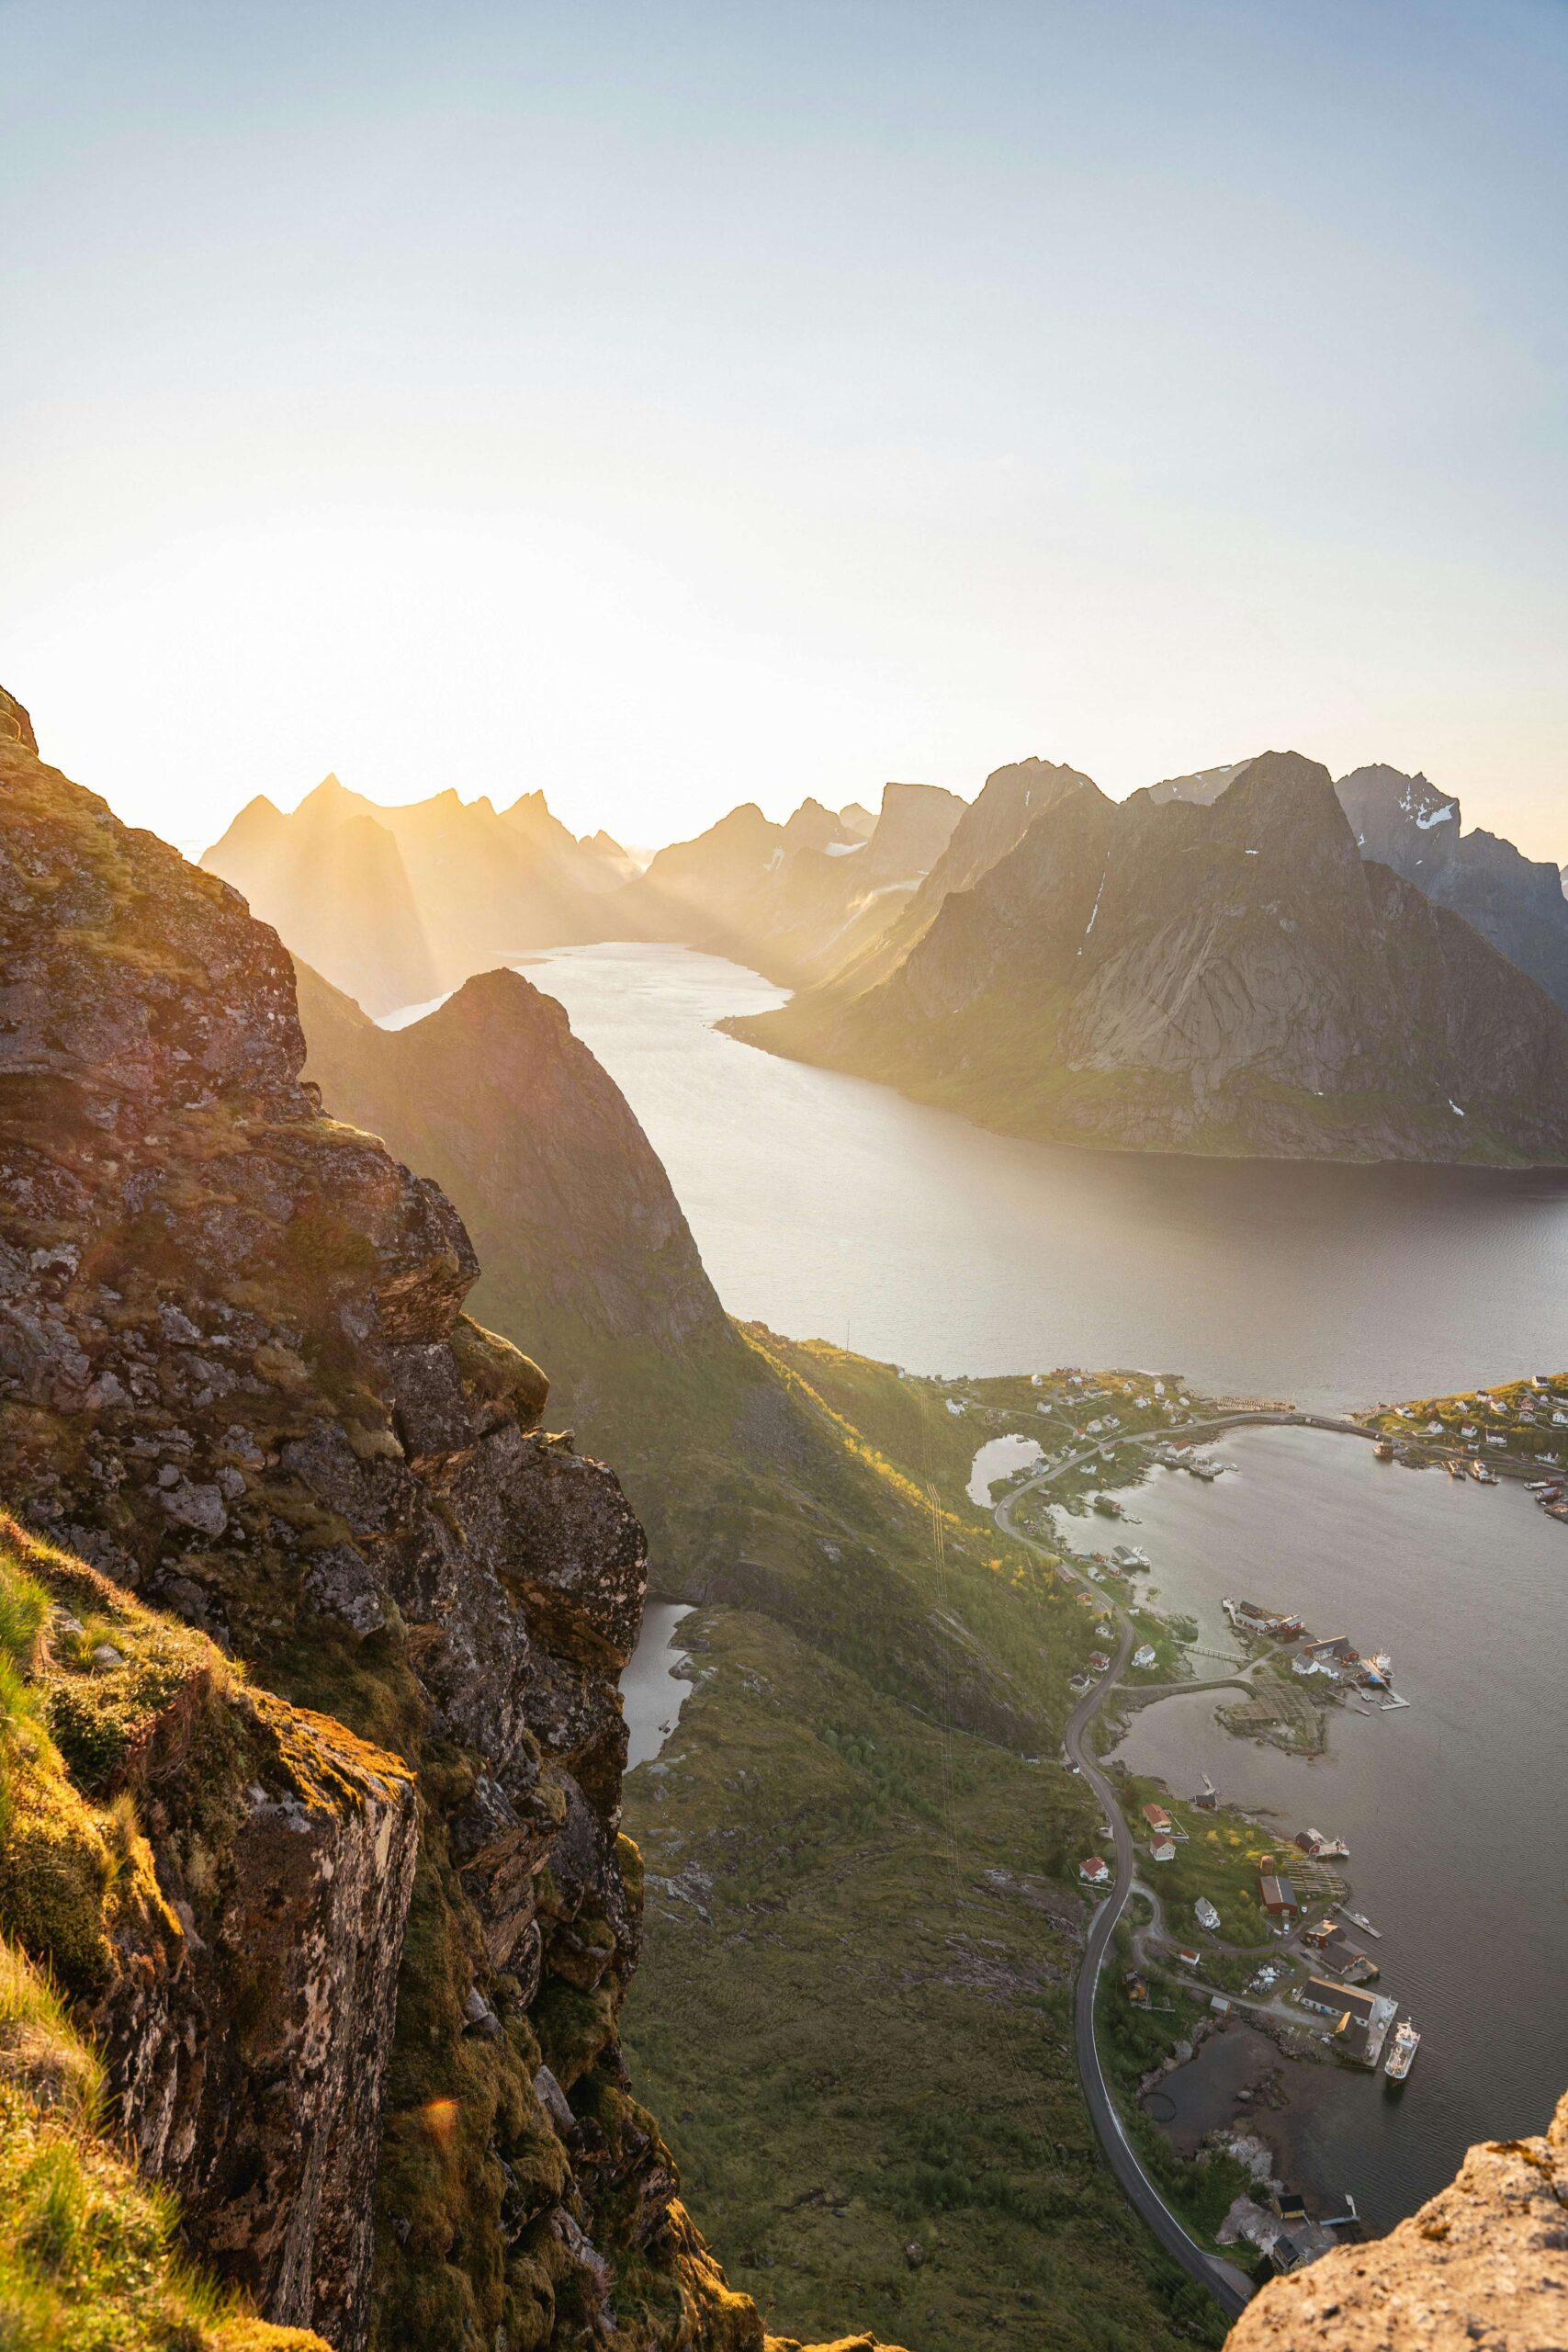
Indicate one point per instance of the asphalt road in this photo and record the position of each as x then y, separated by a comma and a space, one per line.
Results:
1230, 2288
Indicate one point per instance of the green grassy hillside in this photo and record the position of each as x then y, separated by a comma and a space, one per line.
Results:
861, 1926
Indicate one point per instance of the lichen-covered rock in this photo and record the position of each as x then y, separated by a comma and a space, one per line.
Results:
1484, 2262
235, 1377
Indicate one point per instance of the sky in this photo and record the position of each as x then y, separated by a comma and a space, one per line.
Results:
675, 405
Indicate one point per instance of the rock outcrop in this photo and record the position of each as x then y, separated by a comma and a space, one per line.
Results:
237, 1382
1484, 2262
1223, 978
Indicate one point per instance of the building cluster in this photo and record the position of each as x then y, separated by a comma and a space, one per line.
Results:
1333, 1657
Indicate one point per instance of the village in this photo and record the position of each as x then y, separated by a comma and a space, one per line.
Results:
1270, 1943
1521, 1425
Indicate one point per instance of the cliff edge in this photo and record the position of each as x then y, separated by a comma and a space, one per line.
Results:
332, 1637
1484, 2262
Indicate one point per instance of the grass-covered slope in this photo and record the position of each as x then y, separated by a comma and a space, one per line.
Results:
89, 2258
863, 1926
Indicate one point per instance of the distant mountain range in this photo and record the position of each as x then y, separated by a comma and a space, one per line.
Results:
1210, 965
1275, 994
397, 906
798, 900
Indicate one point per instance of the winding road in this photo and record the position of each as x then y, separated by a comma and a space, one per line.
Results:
1230, 2287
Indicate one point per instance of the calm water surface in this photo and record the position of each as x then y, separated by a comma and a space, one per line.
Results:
1453, 1807
652, 1692
830, 1206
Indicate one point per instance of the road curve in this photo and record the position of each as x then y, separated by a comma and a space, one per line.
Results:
1230, 2288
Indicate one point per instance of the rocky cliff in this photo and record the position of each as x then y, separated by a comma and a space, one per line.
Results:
1219, 978
335, 1584
1403, 822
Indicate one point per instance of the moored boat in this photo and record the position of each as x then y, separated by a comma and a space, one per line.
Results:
1407, 2042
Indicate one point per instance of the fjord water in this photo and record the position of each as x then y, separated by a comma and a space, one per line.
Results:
1450, 1806
830, 1207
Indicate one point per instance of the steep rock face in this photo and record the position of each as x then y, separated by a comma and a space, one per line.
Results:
1484, 2262
238, 1381
1515, 901
1211, 978
1203, 786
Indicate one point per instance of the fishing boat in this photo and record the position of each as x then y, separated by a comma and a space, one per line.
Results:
1481, 1476
1454, 1467
1382, 1451
1407, 2042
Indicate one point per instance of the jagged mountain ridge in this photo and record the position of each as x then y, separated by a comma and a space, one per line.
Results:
1221, 976
238, 1381
1405, 822
396, 904
993, 823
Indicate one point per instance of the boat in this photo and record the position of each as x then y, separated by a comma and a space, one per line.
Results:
1454, 1467
1481, 1476
1382, 1451
1327, 1850
1407, 2042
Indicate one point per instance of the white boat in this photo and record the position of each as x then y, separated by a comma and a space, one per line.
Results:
1407, 2042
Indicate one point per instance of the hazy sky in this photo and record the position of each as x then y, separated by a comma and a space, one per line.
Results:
671, 405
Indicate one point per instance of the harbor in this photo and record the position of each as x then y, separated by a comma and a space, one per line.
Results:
1445, 1906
